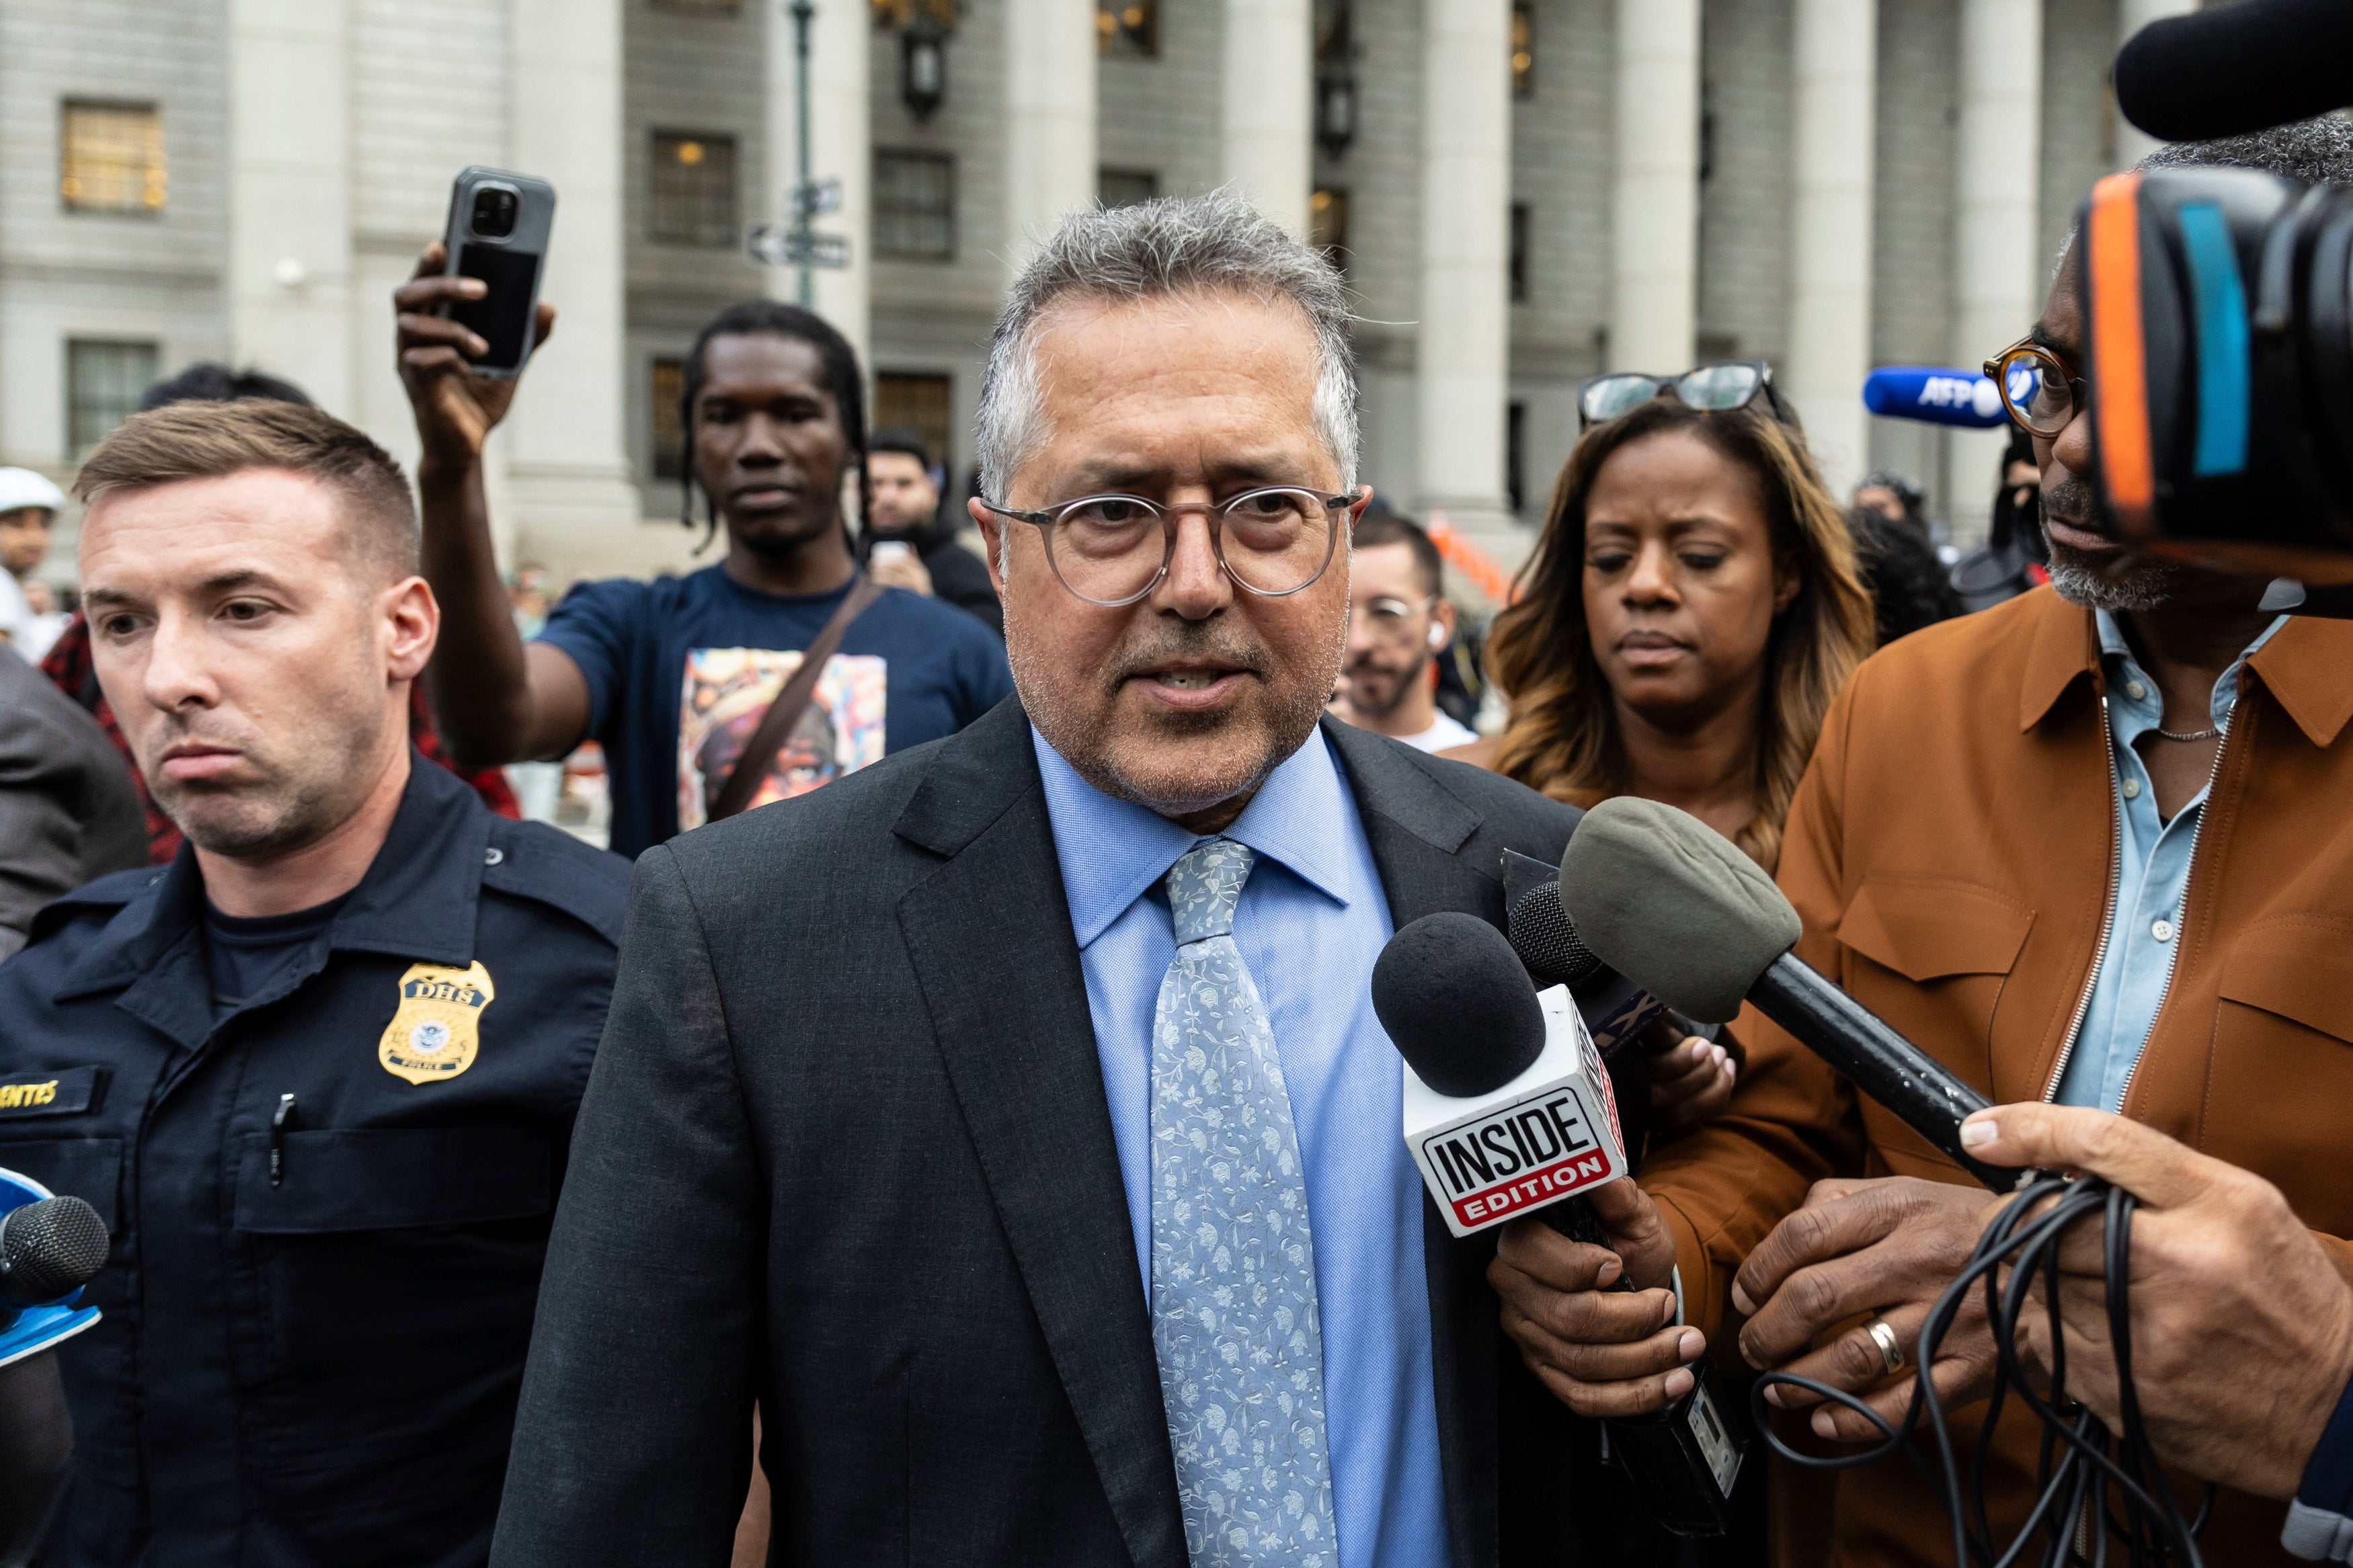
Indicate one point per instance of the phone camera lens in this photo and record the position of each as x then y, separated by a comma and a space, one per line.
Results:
494, 213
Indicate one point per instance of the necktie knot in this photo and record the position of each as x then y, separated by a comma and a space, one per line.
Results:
1205, 885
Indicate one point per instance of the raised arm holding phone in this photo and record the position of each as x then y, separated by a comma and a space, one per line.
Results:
676, 676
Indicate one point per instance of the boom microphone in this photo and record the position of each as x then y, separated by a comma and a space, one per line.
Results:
1508, 1112
1670, 904
1934, 394
2237, 68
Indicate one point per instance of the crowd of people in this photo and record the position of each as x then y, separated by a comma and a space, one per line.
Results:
949, 1122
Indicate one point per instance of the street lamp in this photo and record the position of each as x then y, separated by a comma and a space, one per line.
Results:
923, 64
1336, 85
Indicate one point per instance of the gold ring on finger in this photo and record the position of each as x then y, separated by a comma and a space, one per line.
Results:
1891, 1349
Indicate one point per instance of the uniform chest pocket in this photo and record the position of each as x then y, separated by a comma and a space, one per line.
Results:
393, 1178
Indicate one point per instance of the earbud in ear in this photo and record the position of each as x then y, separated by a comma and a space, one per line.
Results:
1437, 638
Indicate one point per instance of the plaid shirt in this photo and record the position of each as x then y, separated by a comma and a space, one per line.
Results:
68, 663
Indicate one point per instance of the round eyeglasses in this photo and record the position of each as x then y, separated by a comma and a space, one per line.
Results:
1112, 550
1392, 619
1711, 388
2038, 391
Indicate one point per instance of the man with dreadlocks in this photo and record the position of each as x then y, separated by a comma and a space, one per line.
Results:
676, 679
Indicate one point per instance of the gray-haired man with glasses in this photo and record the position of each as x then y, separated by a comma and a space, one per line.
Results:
1010, 1119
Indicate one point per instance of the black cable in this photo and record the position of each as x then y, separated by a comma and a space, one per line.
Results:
2093, 1488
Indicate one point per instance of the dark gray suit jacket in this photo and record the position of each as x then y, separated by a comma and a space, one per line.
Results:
846, 1151
68, 811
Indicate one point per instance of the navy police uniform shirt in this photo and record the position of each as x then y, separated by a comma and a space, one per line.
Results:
329, 1198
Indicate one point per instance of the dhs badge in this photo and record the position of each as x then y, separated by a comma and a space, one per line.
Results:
437, 1031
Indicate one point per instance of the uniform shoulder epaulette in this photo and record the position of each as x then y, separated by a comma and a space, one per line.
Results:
548, 865
109, 893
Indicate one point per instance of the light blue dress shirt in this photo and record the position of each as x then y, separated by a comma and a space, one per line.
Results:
2152, 875
1312, 919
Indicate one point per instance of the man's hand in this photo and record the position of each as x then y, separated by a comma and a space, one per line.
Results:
900, 569
1885, 1248
1691, 1079
2242, 1326
456, 409
1601, 1352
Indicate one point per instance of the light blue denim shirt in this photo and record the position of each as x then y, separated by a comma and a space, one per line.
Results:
2152, 875
1310, 922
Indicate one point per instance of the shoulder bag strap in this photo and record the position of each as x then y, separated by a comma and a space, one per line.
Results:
744, 779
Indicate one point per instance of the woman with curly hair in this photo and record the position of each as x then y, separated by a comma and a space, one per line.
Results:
1692, 607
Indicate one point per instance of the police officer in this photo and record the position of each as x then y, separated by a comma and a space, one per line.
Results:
319, 1074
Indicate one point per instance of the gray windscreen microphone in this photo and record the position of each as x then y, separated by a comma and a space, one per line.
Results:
1673, 905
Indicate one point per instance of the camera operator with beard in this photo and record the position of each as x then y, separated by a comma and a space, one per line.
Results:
1399, 621
2140, 741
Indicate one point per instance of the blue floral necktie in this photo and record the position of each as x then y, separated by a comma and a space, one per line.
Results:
1233, 1266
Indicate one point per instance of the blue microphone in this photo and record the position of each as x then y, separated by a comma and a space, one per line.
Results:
1934, 394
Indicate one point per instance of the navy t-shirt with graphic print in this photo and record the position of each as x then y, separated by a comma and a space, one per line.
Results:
680, 670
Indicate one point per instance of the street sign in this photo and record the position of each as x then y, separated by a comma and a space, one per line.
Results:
781, 246
817, 197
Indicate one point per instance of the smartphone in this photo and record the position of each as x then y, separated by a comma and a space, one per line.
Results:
498, 232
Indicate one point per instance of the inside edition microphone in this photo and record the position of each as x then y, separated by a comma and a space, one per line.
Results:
1667, 901
1508, 1112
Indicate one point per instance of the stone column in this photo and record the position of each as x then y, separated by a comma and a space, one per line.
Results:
1049, 119
1654, 202
1836, 53
841, 148
1268, 118
1462, 343
2133, 145
290, 185
569, 473
1997, 271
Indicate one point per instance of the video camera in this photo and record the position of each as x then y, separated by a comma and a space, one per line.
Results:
2219, 308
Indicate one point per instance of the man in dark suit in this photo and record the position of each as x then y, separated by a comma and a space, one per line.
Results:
1009, 1119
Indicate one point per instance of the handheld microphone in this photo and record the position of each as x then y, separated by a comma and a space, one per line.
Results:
50, 1247
1934, 395
1614, 1008
1508, 1112
2237, 68
1663, 898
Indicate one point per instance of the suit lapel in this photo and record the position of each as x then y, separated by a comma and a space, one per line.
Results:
1417, 831
989, 935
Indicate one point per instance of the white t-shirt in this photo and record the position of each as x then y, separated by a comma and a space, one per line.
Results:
1439, 736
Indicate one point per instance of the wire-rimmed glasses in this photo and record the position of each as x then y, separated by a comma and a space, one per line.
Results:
1112, 550
1390, 618
2038, 391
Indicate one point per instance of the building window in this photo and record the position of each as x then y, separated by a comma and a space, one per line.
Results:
897, 14
917, 402
701, 7
1515, 478
103, 381
914, 205
1520, 250
110, 158
1524, 51
691, 191
1128, 27
1327, 224
664, 387
1126, 187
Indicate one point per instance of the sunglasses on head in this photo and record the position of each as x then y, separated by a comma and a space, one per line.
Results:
1711, 388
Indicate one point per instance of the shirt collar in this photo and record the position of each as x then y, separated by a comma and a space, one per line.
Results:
1113, 851
2116, 649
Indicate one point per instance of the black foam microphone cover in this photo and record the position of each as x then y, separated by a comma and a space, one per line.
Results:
1457, 1005
1539, 928
2236, 69
49, 1248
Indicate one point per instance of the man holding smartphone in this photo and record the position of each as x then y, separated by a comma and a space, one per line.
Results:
678, 679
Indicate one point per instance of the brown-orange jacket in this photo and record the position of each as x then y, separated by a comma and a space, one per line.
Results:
1951, 854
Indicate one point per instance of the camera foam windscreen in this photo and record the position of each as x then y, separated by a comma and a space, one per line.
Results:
1673, 906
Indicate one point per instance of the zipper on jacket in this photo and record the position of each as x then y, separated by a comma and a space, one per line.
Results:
2189, 886
2107, 909
2108, 924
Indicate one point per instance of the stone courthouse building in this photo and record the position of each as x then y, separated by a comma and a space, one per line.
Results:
1521, 193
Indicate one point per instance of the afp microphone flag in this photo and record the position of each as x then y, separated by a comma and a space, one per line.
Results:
1934, 394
